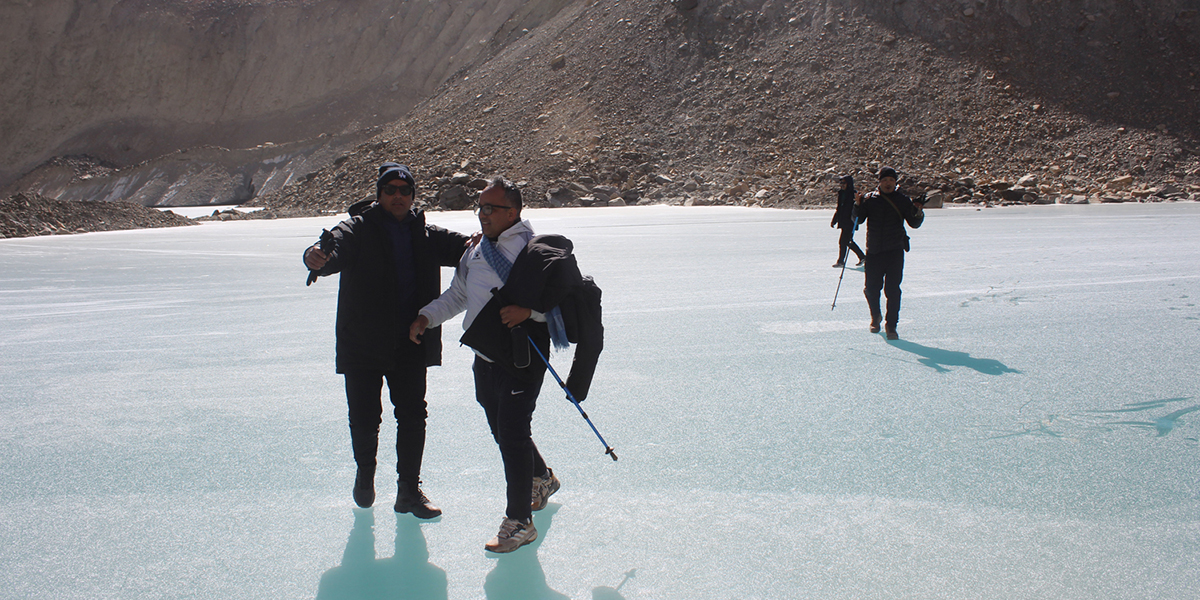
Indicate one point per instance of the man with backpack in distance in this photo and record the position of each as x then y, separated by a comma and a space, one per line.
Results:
518, 289
390, 263
885, 211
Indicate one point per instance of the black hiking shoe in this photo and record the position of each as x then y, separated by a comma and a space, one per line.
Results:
364, 489
875, 324
891, 333
410, 499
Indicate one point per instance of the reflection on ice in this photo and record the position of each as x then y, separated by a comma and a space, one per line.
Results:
406, 574
518, 575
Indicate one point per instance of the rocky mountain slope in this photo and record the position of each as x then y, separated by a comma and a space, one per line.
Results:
764, 102
743, 101
27, 215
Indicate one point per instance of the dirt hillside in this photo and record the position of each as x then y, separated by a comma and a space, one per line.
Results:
596, 102
764, 102
28, 215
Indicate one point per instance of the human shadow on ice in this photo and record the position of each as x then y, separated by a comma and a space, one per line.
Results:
361, 576
607, 593
1092, 421
518, 575
1162, 425
938, 359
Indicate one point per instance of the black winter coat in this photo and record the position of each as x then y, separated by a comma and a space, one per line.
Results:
843, 217
885, 227
370, 327
543, 276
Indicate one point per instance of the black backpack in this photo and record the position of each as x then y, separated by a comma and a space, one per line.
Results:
583, 318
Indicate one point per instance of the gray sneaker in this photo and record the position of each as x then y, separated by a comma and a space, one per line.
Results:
543, 488
513, 534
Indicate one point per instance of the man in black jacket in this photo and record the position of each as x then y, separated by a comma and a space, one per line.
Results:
885, 211
390, 263
843, 218
511, 285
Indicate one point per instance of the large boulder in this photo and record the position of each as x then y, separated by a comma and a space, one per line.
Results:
455, 197
1121, 183
606, 193
561, 196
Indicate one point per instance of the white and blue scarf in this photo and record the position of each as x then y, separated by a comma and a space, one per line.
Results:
502, 266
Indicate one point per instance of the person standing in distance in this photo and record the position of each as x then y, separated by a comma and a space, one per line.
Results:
843, 218
390, 263
506, 381
885, 211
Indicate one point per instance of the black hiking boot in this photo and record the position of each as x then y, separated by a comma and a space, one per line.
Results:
891, 333
410, 499
875, 324
364, 488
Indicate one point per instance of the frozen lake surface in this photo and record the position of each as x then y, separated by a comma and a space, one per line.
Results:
171, 425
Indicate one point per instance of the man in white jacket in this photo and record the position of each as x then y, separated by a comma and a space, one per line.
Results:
507, 399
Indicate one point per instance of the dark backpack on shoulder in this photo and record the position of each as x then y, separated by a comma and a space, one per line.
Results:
583, 318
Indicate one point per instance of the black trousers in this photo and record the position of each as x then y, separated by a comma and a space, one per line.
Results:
509, 403
406, 387
884, 271
847, 241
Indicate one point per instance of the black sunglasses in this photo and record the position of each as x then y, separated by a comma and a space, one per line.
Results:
486, 209
392, 190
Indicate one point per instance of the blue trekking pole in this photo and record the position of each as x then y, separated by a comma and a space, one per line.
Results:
607, 449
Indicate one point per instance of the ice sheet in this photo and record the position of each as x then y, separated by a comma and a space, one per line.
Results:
171, 425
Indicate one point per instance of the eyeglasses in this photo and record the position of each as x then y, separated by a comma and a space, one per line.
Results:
487, 209
392, 190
